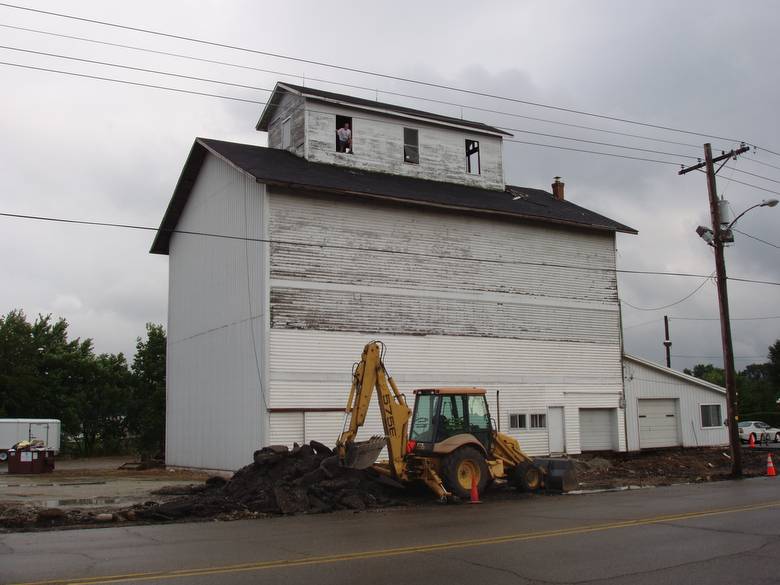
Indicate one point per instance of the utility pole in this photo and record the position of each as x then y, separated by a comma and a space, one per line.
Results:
723, 301
667, 342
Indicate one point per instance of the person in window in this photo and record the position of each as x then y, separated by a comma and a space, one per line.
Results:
344, 139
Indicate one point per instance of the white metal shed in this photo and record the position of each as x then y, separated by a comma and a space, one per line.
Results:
666, 408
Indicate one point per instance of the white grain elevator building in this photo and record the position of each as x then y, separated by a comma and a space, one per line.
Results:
284, 261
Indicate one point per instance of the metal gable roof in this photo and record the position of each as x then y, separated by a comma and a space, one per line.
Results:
281, 168
362, 103
674, 373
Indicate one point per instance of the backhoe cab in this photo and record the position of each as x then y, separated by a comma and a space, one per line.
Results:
452, 444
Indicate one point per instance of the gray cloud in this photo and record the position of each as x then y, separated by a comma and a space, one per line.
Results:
94, 150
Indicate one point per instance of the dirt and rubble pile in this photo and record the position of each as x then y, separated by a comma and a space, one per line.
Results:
306, 479
663, 467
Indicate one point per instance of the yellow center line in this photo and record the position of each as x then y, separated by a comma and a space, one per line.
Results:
389, 552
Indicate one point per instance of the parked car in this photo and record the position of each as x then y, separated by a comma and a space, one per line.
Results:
760, 431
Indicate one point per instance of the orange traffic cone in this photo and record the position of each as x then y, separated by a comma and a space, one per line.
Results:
474, 491
770, 467
752, 441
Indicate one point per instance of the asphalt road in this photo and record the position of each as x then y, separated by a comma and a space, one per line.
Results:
725, 532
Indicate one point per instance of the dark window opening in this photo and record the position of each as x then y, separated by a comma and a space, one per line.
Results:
710, 415
286, 134
411, 146
344, 134
517, 421
472, 157
538, 421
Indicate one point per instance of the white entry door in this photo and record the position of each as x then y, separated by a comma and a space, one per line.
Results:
555, 430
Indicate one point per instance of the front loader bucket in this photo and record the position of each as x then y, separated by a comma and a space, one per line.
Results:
363, 454
560, 475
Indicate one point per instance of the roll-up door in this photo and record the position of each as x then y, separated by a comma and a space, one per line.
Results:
658, 423
598, 429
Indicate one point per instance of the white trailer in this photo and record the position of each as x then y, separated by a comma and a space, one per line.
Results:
13, 430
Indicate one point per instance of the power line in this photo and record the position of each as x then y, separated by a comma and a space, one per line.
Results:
750, 185
600, 143
126, 82
663, 162
760, 162
685, 298
755, 238
353, 86
718, 318
640, 324
361, 248
755, 175
366, 72
736, 357
155, 71
166, 88
159, 72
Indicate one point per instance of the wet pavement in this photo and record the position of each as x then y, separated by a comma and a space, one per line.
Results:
719, 533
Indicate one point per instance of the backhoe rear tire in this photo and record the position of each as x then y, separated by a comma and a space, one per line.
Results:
462, 466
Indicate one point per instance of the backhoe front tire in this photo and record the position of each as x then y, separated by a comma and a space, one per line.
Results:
527, 477
463, 466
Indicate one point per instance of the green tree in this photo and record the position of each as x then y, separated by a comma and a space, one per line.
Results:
44, 375
147, 411
708, 373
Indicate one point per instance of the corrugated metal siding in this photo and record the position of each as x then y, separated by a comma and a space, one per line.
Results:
217, 325
286, 428
643, 382
324, 427
378, 143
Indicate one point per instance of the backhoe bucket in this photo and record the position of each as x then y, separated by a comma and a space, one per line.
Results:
363, 454
560, 473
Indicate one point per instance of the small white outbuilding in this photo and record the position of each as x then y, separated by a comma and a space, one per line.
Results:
666, 408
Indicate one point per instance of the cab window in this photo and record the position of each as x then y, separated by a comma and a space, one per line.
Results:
451, 416
423, 428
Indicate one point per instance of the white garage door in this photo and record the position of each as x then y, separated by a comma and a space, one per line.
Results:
658, 424
597, 429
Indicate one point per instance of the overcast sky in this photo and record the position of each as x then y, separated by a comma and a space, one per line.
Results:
89, 149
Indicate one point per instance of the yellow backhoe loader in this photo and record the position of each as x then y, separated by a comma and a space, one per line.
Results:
451, 444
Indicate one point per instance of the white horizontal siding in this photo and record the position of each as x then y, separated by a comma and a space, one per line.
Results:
530, 375
217, 324
500, 256
389, 314
644, 382
378, 144
608, 398
286, 428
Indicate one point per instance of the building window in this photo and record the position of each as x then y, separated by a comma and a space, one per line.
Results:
286, 134
517, 421
411, 146
344, 134
710, 415
538, 421
472, 157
